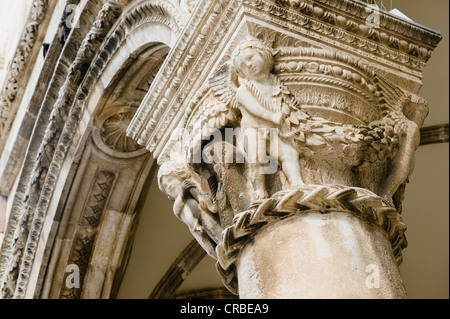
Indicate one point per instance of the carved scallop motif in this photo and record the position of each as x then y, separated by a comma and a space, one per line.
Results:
114, 133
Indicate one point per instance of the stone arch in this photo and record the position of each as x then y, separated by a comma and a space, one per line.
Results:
119, 38
127, 63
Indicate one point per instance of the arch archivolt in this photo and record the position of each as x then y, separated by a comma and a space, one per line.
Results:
99, 181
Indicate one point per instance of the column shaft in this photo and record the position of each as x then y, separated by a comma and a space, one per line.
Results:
314, 255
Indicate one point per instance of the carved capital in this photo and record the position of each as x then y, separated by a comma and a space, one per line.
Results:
313, 111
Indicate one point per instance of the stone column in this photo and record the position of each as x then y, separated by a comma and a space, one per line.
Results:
319, 254
299, 122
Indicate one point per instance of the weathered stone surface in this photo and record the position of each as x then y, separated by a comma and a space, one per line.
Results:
285, 132
315, 255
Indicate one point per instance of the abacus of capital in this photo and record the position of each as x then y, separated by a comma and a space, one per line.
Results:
304, 200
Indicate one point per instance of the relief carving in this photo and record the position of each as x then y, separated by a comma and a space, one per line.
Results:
289, 137
193, 205
312, 128
264, 104
247, 90
87, 230
113, 133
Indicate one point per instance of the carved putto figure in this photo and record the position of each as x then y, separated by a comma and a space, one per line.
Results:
407, 112
265, 104
246, 93
193, 206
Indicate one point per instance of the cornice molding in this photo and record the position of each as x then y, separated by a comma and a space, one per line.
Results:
403, 29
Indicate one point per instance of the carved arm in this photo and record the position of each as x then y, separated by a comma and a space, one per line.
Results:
249, 102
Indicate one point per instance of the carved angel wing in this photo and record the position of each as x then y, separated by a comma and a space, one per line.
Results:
396, 99
218, 108
223, 84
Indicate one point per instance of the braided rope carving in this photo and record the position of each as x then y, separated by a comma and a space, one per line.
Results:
359, 202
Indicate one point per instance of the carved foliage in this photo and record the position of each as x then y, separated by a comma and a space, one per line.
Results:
319, 110
338, 146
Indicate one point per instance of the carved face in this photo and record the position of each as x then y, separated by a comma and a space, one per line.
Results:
251, 63
171, 185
